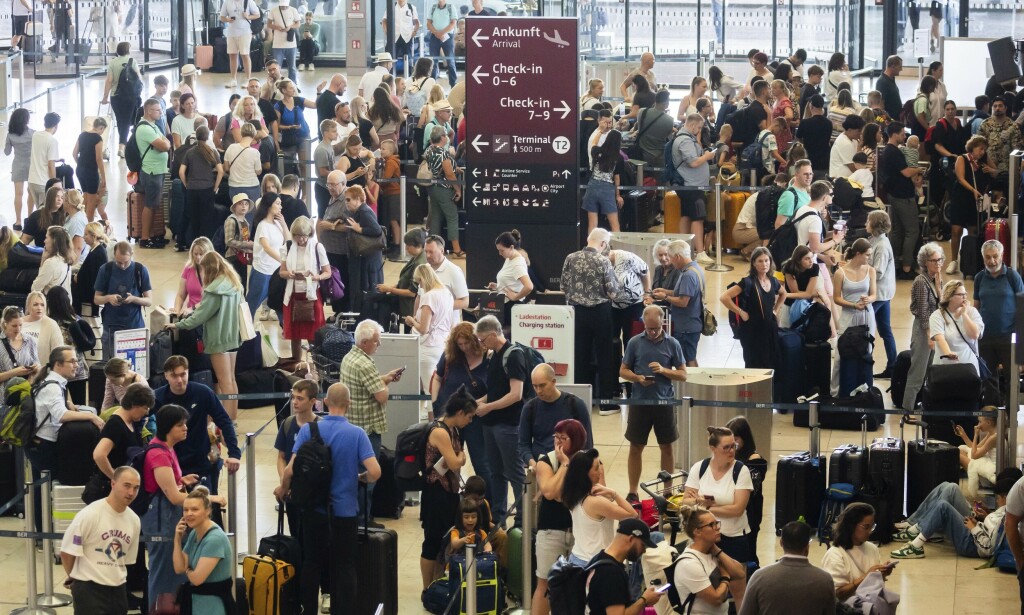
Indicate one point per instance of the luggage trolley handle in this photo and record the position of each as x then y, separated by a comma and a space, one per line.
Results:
864, 431
922, 426
814, 424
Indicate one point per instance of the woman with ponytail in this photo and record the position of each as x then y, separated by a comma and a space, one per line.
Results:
201, 173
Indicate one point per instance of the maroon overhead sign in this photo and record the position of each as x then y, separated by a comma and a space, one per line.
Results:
522, 120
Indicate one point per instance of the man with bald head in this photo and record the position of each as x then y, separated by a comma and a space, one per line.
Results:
646, 69
335, 242
543, 412
329, 98
652, 361
353, 462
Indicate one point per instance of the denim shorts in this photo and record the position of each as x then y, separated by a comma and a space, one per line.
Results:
689, 343
600, 198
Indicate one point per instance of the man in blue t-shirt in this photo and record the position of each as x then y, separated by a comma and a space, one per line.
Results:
995, 288
350, 451
685, 301
123, 289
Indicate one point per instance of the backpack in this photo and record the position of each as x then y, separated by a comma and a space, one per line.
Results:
533, 359
410, 455
744, 130
220, 244
312, 470
129, 82
19, 425
836, 499
783, 240
414, 97
1002, 556
929, 137
815, 323
752, 156
82, 335
678, 604
736, 468
567, 586
767, 209
256, 25
909, 118
133, 156
137, 460
671, 176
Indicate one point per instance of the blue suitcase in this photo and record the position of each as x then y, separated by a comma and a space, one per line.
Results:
789, 370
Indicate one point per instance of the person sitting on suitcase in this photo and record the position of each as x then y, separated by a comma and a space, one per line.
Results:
946, 512
351, 452
467, 528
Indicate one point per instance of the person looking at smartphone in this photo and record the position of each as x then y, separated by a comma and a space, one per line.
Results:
723, 485
956, 327
653, 361
608, 589
970, 527
851, 557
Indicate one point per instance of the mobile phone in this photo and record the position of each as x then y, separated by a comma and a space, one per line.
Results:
710, 498
891, 564
402, 370
663, 588
649, 378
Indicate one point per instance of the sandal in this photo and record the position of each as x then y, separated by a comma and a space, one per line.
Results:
459, 254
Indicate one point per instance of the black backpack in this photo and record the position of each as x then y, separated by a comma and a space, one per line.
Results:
767, 209
312, 470
533, 359
815, 323
410, 455
256, 25
137, 460
744, 124
752, 156
133, 156
567, 586
129, 82
784, 239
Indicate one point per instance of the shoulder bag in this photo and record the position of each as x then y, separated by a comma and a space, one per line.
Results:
710, 323
990, 395
331, 289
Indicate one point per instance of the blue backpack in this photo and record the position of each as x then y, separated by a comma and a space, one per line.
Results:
1002, 558
752, 156
671, 176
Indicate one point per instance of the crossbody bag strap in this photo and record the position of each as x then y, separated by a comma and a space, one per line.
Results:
10, 352
969, 345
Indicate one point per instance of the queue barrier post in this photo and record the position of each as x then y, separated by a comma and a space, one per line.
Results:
250, 489
718, 266
81, 98
306, 174
48, 598
529, 524
49, 100
403, 256
32, 605
815, 427
231, 518
21, 78
470, 579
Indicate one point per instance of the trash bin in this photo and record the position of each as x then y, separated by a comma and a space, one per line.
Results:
721, 384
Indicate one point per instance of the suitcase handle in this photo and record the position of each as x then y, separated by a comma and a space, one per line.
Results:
864, 431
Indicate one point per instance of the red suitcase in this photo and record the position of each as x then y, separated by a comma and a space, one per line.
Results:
135, 206
999, 229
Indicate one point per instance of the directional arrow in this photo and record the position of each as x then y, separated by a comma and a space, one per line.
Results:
477, 143
566, 173
477, 38
476, 172
565, 109
477, 74
476, 201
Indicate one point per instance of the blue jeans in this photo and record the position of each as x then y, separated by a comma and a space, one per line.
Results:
259, 286
948, 493
473, 436
448, 49
943, 518
286, 58
160, 520
375, 445
882, 316
502, 441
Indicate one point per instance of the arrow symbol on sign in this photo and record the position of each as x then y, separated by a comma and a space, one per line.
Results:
565, 109
477, 38
477, 74
476, 172
566, 173
476, 201
477, 143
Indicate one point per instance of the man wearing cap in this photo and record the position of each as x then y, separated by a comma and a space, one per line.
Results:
441, 22
236, 15
371, 79
607, 584
442, 118
407, 24
284, 23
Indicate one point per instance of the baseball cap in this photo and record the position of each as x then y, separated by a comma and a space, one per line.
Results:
637, 529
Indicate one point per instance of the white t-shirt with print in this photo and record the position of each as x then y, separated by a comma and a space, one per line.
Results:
104, 542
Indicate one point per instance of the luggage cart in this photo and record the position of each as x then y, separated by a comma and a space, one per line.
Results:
665, 491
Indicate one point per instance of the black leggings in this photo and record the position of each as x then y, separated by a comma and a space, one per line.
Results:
199, 213
124, 109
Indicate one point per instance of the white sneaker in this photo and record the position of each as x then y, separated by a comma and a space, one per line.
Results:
269, 315
953, 268
325, 603
310, 67
299, 67
704, 259
609, 411
231, 85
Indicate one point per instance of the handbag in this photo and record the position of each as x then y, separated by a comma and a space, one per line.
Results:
424, 176
710, 323
634, 152
290, 34
302, 310
990, 395
364, 245
331, 289
246, 328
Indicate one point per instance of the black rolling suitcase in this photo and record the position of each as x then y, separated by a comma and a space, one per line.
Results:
97, 384
388, 501
10, 481
76, 441
849, 463
788, 382
377, 568
898, 383
818, 359
886, 473
800, 485
950, 388
221, 61
929, 464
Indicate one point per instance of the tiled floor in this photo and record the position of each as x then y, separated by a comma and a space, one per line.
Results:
941, 584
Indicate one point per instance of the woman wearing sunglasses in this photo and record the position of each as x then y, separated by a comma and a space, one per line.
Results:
723, 485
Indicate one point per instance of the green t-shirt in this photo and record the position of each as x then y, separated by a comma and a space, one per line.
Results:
786, 202
154, 162
921, 105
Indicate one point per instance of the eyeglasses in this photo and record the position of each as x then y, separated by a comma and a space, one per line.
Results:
300, 236
959, 294
75, 361
715, 525
487, 335
729, 447
870, 527
937, 260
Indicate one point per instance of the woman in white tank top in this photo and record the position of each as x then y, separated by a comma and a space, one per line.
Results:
594, 507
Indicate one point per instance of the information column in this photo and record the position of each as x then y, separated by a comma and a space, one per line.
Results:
521, 152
